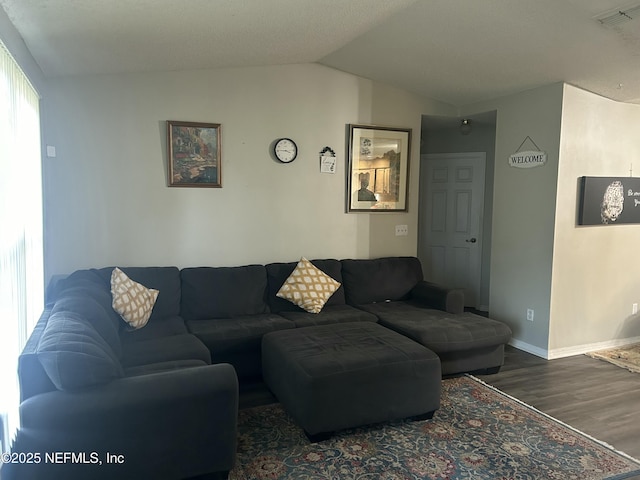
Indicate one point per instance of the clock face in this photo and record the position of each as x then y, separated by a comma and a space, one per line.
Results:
285, 150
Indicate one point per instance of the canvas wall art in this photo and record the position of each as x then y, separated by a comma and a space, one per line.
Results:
609, 200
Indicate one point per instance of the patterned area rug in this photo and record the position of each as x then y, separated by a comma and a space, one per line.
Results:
626, 357
478, 433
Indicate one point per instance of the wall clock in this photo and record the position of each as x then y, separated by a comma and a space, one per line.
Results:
285, 150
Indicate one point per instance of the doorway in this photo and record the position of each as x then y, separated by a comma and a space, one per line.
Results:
451, 215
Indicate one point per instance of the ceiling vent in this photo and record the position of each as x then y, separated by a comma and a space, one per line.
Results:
618, 17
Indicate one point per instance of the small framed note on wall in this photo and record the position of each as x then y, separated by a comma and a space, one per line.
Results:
327, 160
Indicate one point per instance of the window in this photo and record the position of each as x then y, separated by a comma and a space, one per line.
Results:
21, 248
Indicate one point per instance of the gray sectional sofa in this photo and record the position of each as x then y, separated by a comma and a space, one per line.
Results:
149, 398
164, 398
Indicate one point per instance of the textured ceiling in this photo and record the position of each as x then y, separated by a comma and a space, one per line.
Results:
463, 51
69, 37
456, 51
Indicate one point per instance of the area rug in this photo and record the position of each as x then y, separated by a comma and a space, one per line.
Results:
626, 357
478, 433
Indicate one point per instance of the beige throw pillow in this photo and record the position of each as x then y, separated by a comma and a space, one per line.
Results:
308, 287
133, 301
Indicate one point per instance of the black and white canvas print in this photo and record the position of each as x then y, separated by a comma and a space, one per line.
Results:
609, 200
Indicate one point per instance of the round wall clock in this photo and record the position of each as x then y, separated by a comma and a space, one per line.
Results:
285, 150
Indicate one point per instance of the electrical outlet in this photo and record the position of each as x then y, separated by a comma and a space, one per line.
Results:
530, 314
634, 308
402, 230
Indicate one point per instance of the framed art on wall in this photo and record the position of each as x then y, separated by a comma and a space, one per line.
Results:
609, 201
377, 168
193, 151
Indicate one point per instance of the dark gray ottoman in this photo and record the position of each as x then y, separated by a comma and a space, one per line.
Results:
338, 376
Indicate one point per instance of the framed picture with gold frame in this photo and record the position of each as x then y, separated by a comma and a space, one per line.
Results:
377, 168
193, 154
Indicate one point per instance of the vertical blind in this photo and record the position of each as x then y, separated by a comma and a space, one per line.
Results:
21, 224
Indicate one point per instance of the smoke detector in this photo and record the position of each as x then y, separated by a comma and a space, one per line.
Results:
618, 16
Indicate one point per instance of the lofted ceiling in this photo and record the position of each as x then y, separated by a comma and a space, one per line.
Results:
455, 51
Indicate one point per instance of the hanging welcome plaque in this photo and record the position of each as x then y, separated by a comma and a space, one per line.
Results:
527, 159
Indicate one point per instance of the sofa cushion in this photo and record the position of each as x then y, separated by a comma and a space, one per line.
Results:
380, 279
277, 273
93, 303
162, 367
79, 278
32, 375
164, 349
160, 327
223, 292
74, 355
164, 279
308, 287
329, 314
240, 334
132, 300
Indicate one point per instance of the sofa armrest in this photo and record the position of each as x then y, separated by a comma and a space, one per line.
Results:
438, 296
173, 424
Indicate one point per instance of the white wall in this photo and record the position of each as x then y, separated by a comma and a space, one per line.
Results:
596, 269
396, 107
106, 197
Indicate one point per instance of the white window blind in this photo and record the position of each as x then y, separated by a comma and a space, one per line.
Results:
21, 248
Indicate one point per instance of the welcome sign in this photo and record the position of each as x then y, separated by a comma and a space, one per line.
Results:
527, 159
609, 200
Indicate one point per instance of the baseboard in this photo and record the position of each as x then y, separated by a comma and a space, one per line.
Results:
571, 351
591, 347
527, 347
483, 308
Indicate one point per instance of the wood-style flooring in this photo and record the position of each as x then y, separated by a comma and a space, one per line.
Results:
591, 395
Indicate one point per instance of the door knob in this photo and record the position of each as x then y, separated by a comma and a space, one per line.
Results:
471, 240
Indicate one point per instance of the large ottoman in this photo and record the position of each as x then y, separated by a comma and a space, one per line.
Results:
338, 376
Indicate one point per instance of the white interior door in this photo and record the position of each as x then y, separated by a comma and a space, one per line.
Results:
451, 209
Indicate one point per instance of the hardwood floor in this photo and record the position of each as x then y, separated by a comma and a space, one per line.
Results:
591, 395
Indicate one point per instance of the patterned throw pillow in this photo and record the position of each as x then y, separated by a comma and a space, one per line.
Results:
308, 287
133, 301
